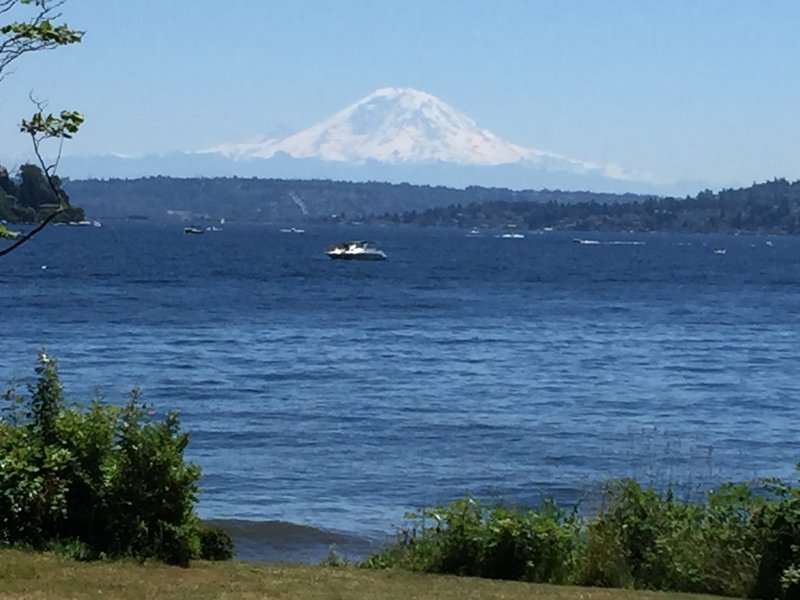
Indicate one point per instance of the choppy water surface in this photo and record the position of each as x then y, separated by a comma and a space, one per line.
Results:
325, 398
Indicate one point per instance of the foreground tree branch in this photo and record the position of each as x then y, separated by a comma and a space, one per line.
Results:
35, 33
24, 238
40, 128
38, 31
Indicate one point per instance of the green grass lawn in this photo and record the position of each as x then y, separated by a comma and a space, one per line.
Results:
32, 576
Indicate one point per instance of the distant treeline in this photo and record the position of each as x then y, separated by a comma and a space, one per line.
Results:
771, 207
286, 200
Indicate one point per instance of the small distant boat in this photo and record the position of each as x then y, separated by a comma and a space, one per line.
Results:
193, 230
474, 232
720, 251
513, 236
356, 250
609, 242
293, 230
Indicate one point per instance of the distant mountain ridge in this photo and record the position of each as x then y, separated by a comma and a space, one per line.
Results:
396, 135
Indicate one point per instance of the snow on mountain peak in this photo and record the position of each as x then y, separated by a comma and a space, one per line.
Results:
401, 126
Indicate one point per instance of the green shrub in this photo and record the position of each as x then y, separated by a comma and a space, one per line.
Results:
779, 522
468, 538
790, 582
648, 539
533, 545
605, 562
730, 540
742, 540
645, 529
99, 479
215, 543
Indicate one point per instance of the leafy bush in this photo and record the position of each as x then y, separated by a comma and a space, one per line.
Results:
97, 479
741, 540
648, 539
497, 542
215, 544
779, 522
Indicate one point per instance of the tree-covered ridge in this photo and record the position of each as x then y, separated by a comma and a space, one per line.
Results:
771, 207
279, 200
282, 200
28, 198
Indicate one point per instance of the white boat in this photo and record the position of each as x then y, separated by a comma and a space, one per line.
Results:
512, 236
293, 230
193, 230
356, 250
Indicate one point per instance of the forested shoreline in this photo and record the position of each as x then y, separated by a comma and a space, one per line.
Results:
29, 198
771, 207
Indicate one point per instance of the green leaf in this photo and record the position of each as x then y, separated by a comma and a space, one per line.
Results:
7, 234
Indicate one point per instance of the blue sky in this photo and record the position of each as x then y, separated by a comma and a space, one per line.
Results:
682, 90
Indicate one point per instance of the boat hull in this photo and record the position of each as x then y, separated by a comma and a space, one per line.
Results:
356, 250
360, 256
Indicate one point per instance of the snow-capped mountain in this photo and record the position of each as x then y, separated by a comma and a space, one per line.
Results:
397, 135
403, 126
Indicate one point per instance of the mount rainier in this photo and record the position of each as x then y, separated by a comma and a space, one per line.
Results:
395, 135
405, 126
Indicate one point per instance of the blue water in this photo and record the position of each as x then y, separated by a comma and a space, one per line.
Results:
326, 398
